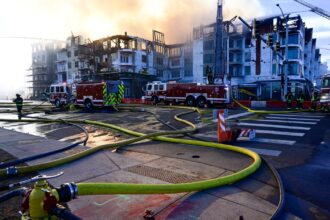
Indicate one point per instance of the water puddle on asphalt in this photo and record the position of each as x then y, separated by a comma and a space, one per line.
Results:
96, 136
33, 129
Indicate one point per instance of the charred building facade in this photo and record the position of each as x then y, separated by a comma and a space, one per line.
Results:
132, 59
254, 67
43, 67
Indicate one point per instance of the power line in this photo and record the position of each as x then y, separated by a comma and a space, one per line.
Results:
315, 9
30, 38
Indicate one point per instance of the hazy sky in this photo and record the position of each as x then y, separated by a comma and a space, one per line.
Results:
100, 18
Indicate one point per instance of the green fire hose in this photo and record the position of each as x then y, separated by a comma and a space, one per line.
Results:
127, 188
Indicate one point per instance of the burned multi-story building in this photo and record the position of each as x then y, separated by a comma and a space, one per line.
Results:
73, 61
254, 68
43, 67
127, 58
132, 59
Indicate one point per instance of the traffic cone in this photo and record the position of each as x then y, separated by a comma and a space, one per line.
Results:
224, 135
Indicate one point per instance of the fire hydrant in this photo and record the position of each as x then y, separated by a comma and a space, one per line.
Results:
37, 200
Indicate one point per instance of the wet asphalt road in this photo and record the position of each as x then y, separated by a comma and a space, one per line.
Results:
307, 181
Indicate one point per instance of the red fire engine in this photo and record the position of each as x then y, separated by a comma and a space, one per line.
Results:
190, 93
108, 93
60, 94
325, 93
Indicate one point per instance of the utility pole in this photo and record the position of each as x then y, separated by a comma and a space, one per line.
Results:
285, 61
218, 60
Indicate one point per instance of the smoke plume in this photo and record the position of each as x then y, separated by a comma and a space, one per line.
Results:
100, 18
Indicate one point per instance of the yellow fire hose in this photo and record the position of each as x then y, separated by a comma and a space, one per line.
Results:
247, 92
125, 188
130, 188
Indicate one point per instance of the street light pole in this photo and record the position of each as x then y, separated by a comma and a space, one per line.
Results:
285, 61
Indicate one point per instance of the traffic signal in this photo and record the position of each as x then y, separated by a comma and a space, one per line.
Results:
278, 46
255, 28
270, 40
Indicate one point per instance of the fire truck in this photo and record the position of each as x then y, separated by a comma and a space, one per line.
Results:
189, 93
106, 93
325, 92
60, 94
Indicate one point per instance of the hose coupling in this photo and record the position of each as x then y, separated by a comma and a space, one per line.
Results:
11, 171
67, 192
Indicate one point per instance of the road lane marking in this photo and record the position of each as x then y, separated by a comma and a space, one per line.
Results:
286, 133
268, 140
274, 153
125, 197
235, 116
289, 122
300, 116
296, 119
274, 126
239, 115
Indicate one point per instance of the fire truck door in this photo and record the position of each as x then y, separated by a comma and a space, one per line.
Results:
113, 92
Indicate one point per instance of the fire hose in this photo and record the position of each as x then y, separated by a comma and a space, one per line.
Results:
277, 176
71, 190
140, 136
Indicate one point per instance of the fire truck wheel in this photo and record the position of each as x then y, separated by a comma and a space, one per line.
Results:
88, 105
57, 103
201, 101
190, 101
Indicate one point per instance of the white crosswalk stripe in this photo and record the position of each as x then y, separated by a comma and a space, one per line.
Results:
289, 122
297, 115
282, 130
273, 126
285, 133
295, 118
268, 140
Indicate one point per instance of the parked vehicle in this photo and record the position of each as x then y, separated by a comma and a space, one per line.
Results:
325, 93
60, 94
107, 93
189, 93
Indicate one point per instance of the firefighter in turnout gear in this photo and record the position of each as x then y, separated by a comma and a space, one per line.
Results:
19, 105
288, 98
315, 99
300, 101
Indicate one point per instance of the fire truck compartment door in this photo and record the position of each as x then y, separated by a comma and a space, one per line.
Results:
112, 87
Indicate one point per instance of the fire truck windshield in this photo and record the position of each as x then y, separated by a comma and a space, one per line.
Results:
326, 82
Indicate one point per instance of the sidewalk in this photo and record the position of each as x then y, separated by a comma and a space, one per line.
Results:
155, 162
